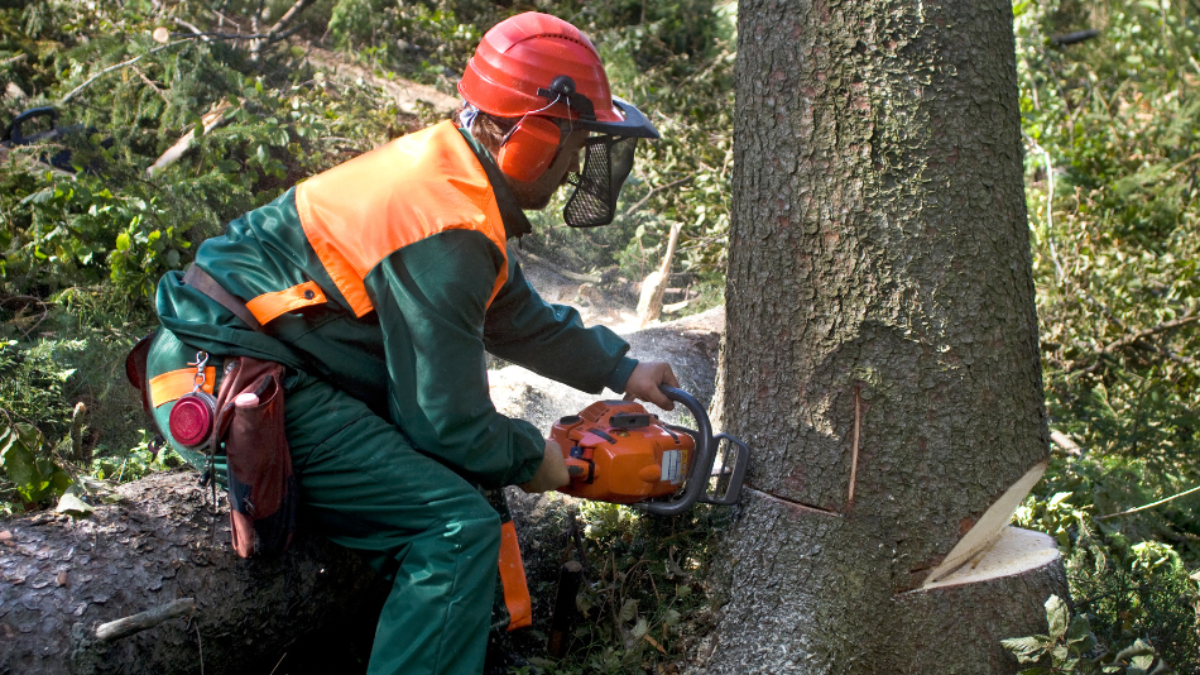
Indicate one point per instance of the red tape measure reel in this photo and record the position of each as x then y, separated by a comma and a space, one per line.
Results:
194, 414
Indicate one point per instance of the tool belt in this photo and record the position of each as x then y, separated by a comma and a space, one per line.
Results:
246, 423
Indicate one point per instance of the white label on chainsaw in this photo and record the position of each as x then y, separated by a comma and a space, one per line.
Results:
672, 466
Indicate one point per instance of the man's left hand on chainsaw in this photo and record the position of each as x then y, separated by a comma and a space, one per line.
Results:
551, 473
645, 380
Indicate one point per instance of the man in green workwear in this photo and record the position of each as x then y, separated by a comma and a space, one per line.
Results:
379, 285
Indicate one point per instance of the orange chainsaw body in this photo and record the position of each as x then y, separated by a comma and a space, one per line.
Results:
617, 452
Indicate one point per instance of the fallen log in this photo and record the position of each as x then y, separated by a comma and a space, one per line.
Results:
108, 593
69, 589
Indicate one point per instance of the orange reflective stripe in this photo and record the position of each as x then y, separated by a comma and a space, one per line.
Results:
358, 213
173, 384
270, 305
512, 575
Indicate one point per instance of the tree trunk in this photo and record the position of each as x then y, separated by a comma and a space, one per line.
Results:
61, 579
881, 352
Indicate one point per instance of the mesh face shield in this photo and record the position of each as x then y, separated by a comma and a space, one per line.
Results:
606, 165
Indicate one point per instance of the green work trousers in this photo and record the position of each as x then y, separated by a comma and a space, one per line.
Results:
417, 521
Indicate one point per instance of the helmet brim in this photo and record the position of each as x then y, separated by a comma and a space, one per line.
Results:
634, 124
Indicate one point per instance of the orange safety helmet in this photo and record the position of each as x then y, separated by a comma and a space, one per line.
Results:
537, 63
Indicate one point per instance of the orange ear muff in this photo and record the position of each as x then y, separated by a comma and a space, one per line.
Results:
530, 148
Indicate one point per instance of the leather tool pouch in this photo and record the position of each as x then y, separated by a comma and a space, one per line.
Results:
263, 493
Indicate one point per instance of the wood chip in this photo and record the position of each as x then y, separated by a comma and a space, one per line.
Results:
61, 579
654, 643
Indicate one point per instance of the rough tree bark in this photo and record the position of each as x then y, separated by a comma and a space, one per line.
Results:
881, 352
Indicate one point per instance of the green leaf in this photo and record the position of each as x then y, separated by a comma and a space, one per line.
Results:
123, 242
1139, 648
1057, 616
72, 505
1080, 630
39, 197
18, 445
1060, 655
628, 610
1027, 649
1143, 662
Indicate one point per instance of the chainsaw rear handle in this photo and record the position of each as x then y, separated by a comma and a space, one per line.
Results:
696, 489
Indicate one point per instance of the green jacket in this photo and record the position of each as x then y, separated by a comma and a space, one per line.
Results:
388, 276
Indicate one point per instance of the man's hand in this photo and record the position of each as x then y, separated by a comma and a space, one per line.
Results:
551, 473
645, 380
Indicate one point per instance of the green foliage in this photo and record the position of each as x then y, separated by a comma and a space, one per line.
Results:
35, 379
28, 464
643, 604
1115, 247
1127, 589
674, 60
1112, 187
82, 250
112, 219
1069, 645
429, 44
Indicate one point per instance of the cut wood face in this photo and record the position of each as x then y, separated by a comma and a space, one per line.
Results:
987, 532
1014, 552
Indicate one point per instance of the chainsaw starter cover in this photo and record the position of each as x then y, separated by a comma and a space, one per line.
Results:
618, 452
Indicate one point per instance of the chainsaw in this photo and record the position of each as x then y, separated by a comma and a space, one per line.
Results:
618, 452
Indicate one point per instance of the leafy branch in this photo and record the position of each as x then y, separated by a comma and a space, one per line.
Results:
1070, 647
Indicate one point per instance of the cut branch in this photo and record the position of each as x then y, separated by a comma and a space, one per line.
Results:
1066, 443
115, 630
150, 83
1160, 328
212, 119
1152, 505
71, 94
638, 204
194, 29
650, 304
